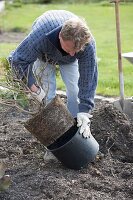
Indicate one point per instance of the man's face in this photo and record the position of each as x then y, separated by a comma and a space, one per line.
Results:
68, 46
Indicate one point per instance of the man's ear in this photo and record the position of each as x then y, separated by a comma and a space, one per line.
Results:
59, 35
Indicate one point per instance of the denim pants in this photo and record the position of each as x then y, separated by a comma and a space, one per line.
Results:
46, 78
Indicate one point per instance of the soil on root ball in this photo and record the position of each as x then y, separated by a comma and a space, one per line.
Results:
109, 177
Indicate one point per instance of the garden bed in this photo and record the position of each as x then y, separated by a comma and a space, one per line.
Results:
37, 177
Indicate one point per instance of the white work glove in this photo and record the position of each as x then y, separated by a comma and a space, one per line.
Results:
39, 95
83, 121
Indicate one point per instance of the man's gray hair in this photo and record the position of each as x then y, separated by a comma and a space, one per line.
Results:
76, 30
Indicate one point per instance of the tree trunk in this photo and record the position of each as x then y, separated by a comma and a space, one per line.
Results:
51, 122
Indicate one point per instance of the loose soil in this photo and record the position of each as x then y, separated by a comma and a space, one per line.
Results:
36, 176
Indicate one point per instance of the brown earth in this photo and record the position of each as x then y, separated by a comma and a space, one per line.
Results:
11, 37
34, 177
38, 177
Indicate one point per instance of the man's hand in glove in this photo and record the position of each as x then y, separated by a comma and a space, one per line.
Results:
83, 121
39, 95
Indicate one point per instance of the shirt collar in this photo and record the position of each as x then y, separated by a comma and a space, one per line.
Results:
53, 37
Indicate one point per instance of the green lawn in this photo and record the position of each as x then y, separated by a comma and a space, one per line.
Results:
101, 20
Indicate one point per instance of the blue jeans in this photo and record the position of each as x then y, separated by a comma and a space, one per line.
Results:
46, 78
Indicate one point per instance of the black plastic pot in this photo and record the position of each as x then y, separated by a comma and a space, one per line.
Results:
74, 151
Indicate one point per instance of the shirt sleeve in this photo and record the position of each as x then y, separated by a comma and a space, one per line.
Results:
88, 77
22, 59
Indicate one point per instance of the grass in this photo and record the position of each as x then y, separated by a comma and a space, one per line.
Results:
101, 20
6, 48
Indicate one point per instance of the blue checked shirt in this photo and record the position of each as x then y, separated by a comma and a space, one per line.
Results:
42, 41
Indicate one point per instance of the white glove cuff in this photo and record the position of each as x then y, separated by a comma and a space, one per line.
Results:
39, 95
